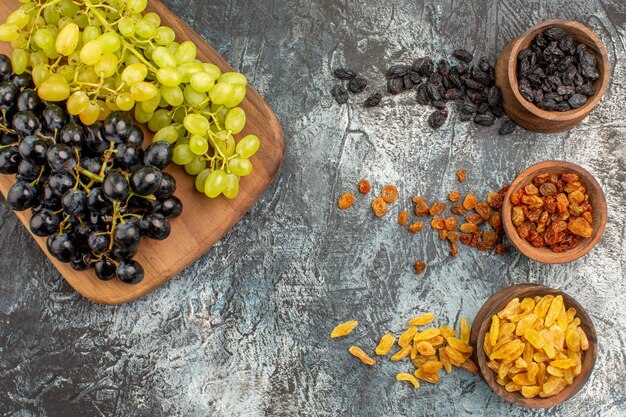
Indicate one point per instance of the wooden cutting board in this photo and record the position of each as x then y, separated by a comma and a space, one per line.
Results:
204, 221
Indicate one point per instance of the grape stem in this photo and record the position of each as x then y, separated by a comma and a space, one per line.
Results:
89, 174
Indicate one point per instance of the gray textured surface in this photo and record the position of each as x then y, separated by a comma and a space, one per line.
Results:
244, 330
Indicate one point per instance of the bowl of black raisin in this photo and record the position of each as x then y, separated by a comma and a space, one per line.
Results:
552, 75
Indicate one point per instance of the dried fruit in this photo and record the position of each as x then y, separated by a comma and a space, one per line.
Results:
389, 193
437, 118
464, 330
438, 223
416, 227
373, 100
339, 94
407, 336
437, 208
470, 202
401, 354
345, 201
361, 355
451, 223
364, 187
461, 176
385, 344
422, 320
420, 266
454, 196
421, 208
468, 228
379, 207
408, 378
344, 329
426, 334
357, 85
344, 74
403, 218
424, 348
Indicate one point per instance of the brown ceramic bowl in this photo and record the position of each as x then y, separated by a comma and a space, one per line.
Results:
525, 113
481, 325
596, 199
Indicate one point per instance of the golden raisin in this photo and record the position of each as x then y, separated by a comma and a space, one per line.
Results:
468, 228
438, 223
581, 227
423, 319
385, 344
437, 208
421, 208
470, 202
477, 219
390, 193
443, 234
458, 209
451, 223
346, 201
379, 207
344, 329
501, 249
454, 196
416, 227
484, 210
420, 266
403, 218
461, 175
364, 187
360, 354
408, 378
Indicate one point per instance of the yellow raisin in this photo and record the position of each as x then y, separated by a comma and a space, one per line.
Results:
379, 206
470, 201
503, 340
454, 196
470, 366
563, 363
555, 371
527, 304
408, 378
389, 193
506, 329
529, 351
360, 354
345, 201
447, 331
510, 309
455, 355
530, 391
552, 386
422, 320
464, 330
487, 346
558, 337
403, 218
401, 354
524, 324
507, 350
571, 313
494, 330
493, 365
561, 319
407, 336
436, 341
522, 379
553, 311
443, 357
542, 374
461, 175
468, 228
430, 378
427, 334
416, 227
425, 348
344, 329
532, 370
534, 338
542, 306
584, 341
512, 387
459, 345
385, 344
572, 339
432, 367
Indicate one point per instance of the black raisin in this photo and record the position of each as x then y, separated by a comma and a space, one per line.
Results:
577, 100
497, 110
438, 104
476, 96
424, 66
435, 78
453, 94
437, 119
508, 127
463, 55
462, 68
373, 100
408, 84
422, 96
395, 85
397, 71
465, 117
470, 83
586, 89
344, 74
486, 119
340, 94
554, 34
563, 106
566, 43
526, 90
357, 85
547, 104
493, 96
415, 77
482, 108
443, 66
467, 107
433, 91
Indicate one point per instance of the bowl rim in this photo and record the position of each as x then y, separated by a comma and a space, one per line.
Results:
568, 25
540, 254
494, 304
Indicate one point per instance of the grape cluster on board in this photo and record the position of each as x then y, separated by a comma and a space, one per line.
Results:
93, 191
105, 55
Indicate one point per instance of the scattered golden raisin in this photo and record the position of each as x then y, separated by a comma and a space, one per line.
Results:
438, 223
403, 218
344, 329
364, 187
408, 378
470, 202
423, 319
454, 196
390, 193
420, 266
416, 227
345, 201
458, 209
360, 354
461, 175
379, 207
451, 223
385, 344
501, 249
421, 208
468, 228
437, 208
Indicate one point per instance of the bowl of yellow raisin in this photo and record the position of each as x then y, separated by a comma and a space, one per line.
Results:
535, 346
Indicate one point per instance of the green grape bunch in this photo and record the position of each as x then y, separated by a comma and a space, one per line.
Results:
106, 55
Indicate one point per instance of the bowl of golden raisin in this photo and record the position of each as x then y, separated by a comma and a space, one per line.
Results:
554, 212
535, 346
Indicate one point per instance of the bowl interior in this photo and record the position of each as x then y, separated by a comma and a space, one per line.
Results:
596, 199
580, 34
496, 303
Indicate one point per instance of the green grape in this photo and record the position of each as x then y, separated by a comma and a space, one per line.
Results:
153, 18
134, 73
183, 140
167, 134
163, 102
186, 53
132, 59
145, 29
196, 166
235, 120
213, 70
192, 97
196, 124
67, 72
136, 6
221, 93
51, 53
163, 58
110, 42
90, 54
104, 110
18, 18
51, 16
90, 33
21, 42
165, 36
220, 112
151, 105
215, 184
169, 77
87, 75
64, 21
239, 93
20, 60
126, 27
160, 119
67, 39
202, 82
54, 88
143, 91
173, 95
179, 116
82, 21
248, 146
124, 101
231, 189
198, 144
68, 8
188, 70
40, 74
44, 39
240, 166
141, 115
228, 146
233, 78
90, 115
182, 155
106, 65
201, 180
173, 48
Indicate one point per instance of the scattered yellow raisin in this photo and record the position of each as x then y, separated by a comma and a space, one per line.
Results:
437, 208
379, 207
468, 228
360, 354
454, 196
408, 378
427, 334
344, 329
346, 201
407, 336
403, 218
470, 202
401, 354
421, 208
385, 344
425, 348
464, 330
364, 187
422, 320
416, 227
438, 223
461, 175
430, 378
451, 223
390, 193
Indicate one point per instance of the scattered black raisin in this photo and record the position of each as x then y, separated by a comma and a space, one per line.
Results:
508, 127
433, 91
357, 85
340, 94
453, 94
344, 74
463, 55
493, 96
424, 66
397, 71
486, 119
438, 118
373, 100
438, 104
443, 67
422, 96
395, 85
